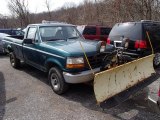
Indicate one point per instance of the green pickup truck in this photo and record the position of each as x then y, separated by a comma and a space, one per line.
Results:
58, 49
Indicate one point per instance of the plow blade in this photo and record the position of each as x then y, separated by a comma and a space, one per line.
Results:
120, 79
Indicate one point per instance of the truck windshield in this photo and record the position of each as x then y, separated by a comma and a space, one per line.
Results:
52, 33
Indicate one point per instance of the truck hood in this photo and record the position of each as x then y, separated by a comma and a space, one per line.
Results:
73, 47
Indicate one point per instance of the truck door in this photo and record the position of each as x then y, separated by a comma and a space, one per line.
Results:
29, 50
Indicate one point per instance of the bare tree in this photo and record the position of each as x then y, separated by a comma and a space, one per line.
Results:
3, 21
48, 5
106, 12
19, 9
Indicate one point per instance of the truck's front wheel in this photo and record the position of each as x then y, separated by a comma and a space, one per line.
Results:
57, 81
14, 61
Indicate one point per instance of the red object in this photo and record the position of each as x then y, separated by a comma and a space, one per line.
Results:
159, 92
103, 43
108, 41
140, 44
95, 32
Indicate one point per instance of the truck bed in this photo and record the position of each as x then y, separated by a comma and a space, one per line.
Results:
20, 37
14, 38
12, 41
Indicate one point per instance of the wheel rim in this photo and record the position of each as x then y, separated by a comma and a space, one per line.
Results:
12, 60
55, 82
157, 59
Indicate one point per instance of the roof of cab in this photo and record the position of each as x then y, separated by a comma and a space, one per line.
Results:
51, 24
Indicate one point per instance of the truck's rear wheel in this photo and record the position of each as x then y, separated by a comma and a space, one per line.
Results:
15, 62
57, 81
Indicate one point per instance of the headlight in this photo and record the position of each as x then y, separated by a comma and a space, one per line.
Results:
73, 62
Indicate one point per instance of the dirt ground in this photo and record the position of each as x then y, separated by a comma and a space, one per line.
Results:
25, 95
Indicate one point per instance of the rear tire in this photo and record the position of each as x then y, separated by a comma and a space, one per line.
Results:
15, 62
57, 81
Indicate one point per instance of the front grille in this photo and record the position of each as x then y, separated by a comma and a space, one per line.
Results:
95, 61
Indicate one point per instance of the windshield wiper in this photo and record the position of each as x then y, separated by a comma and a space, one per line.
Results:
76, 37
53, 39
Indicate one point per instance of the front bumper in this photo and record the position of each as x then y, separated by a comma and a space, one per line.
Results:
80, 77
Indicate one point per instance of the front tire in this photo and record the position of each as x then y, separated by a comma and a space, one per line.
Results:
57, 81
15, 62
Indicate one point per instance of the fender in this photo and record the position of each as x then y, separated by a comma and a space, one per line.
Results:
9, 48
55, 62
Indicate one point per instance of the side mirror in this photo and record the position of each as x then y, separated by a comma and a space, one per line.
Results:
28, 41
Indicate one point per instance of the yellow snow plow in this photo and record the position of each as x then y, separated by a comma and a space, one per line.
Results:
116, 80
117, 84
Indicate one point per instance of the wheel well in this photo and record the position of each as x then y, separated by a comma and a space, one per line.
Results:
51, 64
9, 49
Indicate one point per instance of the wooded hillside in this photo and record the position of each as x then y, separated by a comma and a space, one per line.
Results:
104, 12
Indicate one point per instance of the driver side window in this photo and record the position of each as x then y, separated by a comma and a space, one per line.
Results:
31, 33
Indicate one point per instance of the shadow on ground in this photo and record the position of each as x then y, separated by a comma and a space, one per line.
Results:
138, 107
4, 55
84, 94
2, 96
34, 72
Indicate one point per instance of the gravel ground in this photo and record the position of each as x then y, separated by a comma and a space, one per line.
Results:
25, 95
